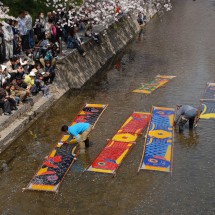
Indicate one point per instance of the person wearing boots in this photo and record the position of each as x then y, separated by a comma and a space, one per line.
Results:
185, 113
81, 132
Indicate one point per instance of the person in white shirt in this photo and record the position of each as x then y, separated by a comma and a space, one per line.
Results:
8, 38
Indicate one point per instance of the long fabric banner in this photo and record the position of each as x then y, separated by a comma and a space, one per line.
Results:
56, 165
151, 86
207, 104
157, 152
208, 110
209, 92
118, 147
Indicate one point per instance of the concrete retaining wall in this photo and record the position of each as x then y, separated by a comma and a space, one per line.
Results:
74, 70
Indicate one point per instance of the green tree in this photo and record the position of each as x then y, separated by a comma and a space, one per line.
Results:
33, 6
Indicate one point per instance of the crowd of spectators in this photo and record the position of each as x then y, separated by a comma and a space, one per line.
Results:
28, 54
29, 50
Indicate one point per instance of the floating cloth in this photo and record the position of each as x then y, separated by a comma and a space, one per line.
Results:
149, 87
54, 168
209, 92
207, 103
118, 147
208, 110
159, 140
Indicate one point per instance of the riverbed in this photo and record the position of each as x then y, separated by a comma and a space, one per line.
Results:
180, 42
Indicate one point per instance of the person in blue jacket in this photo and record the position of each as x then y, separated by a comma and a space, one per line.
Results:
81, 132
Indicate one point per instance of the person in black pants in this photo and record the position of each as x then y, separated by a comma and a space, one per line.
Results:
184, 114
2, 45
75, 42
4, 103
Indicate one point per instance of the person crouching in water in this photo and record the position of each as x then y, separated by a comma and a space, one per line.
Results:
81, 132
185, 113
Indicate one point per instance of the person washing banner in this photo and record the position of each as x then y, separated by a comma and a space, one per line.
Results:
185, 113
81, 132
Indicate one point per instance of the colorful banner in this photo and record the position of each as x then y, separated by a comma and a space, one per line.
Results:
209, 92
118, 147
207, 103
56, 165
208, 111
159, 140
151, 86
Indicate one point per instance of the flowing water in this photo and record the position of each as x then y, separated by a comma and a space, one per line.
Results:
180, 42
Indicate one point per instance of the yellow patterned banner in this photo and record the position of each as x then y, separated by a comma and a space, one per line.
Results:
121, 143
151, 86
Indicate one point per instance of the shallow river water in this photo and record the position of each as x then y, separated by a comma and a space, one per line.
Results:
180, 42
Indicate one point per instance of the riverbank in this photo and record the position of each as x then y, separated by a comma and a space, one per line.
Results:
73, 71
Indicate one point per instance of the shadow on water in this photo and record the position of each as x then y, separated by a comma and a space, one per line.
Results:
180, 42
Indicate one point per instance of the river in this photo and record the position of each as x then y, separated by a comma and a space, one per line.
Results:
180, 42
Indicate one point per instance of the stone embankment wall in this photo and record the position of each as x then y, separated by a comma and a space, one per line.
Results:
73, 71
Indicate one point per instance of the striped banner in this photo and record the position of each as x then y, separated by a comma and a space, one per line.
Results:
54, 168
151, 86
209, 92
157, 153
207, 103
121, 143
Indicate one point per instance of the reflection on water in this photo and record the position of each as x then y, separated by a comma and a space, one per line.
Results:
179, 43
189, 139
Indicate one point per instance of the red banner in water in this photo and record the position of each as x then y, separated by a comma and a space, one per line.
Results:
121, 143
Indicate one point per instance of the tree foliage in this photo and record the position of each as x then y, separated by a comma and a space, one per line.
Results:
33, 6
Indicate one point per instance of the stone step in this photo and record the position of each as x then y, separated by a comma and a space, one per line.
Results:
14, 125
22, 109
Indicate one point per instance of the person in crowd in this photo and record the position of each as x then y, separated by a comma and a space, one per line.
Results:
23, 31
49, 16
81, 132
4, 76
55, 50
19, 89
42, 20
8, 38
16, 38
30, 81
2, 44
89, 33
48, 53
30, 60
82, 26
39, 67
48, 29
20, 72
10, 98
4, 103
29, 27
141, 18
49, 72
118, 10
39, 28
185, 113
14, 95
12, 68
41, 85
53, 33
19, 82
75, 42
